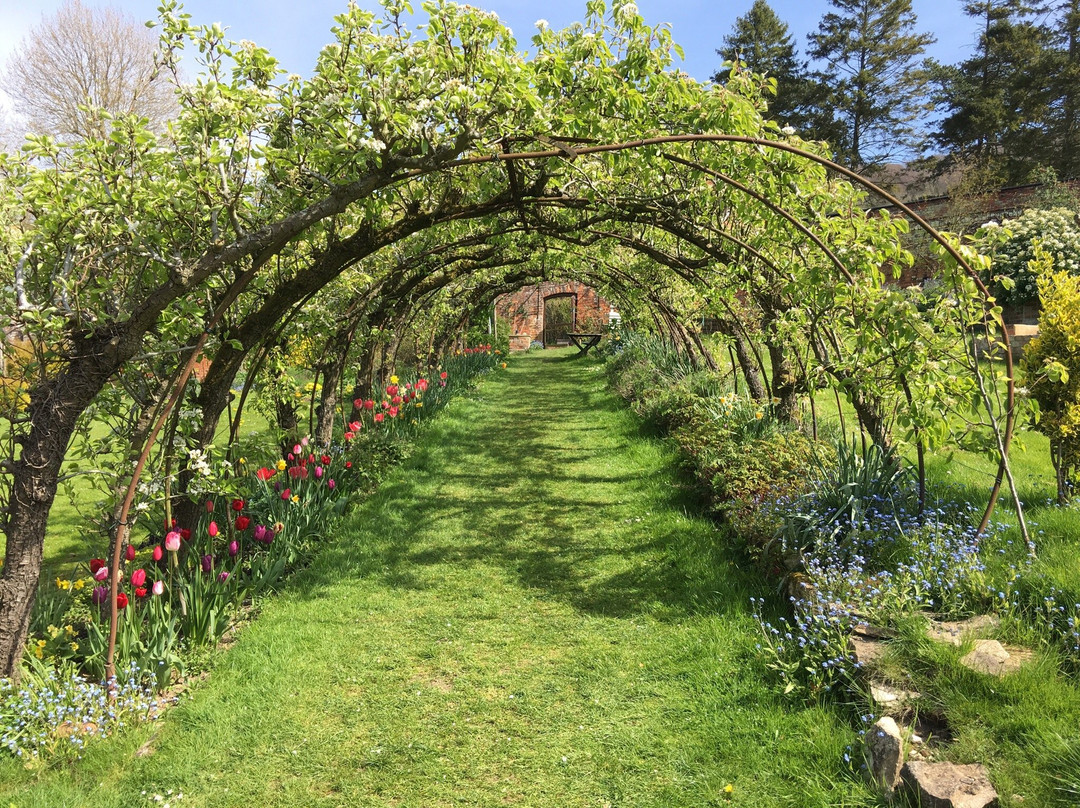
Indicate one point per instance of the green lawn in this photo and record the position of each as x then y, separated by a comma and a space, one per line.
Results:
528, 612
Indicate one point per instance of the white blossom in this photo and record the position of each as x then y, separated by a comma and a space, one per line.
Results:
541, 24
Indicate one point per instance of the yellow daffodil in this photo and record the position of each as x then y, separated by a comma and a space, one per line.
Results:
393, 380
281, 465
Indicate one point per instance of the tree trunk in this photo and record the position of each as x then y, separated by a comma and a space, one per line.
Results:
54, 410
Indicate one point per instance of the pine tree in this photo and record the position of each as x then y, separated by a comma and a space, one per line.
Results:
878, 87
998, 102
1065, 85
762, 42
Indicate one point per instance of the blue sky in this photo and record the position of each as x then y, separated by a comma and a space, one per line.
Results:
294, 32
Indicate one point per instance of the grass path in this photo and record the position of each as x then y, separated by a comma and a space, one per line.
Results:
526, 614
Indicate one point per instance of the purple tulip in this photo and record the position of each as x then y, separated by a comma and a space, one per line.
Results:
99, 595
207, 563
223, 576
331, 485
234, 548
260, 533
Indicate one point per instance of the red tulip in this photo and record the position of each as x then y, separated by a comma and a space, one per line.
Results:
378, 417
185, 534
158, 553
242, 522
391, 390
96, 564
395, 400
238, 504
121, 600
354, 426
138, 577
129, 553
140, 592
393, 412
212, 530
209, 506
325, 460
442, 375
286, 494
348, 464
369, 404
358, 403
265, 474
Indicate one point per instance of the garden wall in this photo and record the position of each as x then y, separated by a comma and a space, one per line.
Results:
524, 310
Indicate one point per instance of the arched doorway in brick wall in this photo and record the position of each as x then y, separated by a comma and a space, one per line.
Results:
560, 318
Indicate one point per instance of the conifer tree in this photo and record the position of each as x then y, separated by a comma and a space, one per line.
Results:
762, 42
997, 103
871, 51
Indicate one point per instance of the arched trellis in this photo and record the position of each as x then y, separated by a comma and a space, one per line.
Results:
1003, 436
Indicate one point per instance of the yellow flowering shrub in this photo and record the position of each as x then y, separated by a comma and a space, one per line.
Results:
1052, 370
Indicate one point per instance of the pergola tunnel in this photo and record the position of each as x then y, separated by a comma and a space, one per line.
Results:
335, 257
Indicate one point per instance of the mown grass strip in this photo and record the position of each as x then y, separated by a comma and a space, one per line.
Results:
528, 612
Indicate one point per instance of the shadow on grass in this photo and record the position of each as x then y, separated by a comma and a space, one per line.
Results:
541, 475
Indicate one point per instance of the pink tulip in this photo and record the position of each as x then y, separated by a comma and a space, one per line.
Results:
318, 472
101, 574
172, 541
223, 576
159, 587
138, 578
212, 530
234, 547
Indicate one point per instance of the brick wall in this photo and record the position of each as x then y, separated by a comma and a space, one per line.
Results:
524, 309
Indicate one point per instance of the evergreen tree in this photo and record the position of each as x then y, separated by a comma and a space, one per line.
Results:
877, 86
762, 42
1065, 85
997, 103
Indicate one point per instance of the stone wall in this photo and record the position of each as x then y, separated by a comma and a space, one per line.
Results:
524, 310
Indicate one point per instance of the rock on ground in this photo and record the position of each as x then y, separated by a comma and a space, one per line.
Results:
950, 785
